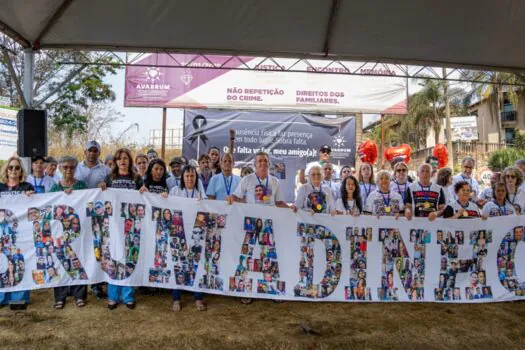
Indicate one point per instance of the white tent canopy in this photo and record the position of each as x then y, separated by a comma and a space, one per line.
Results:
467, 33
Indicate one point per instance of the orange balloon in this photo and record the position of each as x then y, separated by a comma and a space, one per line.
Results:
404, 151
441, 153
368, 152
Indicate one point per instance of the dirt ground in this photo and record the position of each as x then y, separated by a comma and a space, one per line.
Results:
262, 325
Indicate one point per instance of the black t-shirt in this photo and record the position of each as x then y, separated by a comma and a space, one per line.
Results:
124, 181
424, 199
156, 187
22, 188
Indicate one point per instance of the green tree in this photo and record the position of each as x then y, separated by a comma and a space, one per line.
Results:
505, 157
491, 85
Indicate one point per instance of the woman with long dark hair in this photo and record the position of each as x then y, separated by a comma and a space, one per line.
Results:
349, 201
155, 178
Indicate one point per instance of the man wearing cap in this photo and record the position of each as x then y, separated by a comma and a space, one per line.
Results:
176, 165
92, 171
51, 165
324, 157
41, 182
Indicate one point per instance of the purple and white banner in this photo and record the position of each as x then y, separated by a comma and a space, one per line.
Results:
133, 239
151, 82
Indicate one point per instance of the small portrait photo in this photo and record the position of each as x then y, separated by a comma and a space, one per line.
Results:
518, 234
108, 208
99, 209
33, 214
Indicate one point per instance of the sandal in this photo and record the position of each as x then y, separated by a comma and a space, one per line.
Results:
81, 303
59, 305
176, 306
200, 305
246, 301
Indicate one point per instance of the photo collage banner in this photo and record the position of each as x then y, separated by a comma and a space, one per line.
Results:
132, 239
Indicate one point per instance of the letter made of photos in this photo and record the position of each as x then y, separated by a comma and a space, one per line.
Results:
451, 266
396, 258
185, 254
133, 213
261, 231
506, 261
358, 238
47, 245
306, 286
14, 274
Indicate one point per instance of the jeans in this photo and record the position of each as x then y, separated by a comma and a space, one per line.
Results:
6, 298
175, 295
121, 293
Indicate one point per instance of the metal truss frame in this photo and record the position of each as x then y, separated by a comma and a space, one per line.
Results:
371, 68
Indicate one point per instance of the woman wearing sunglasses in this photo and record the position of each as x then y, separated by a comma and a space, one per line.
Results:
12, 183
400, 183
512, 178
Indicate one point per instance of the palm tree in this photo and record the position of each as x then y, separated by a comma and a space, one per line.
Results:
427, 106
491, 86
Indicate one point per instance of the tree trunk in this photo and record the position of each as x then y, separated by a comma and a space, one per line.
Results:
448, 129
501, 131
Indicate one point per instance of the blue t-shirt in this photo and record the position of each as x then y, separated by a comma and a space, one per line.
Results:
219, 183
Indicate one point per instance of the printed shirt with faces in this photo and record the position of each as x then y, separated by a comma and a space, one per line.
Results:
454, 206
352, 208
384, 204
402, 189
252, 189
493, 209
424, 199
318, 199
517, 199
473, 183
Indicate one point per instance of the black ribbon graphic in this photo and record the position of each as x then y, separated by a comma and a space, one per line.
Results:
199, 124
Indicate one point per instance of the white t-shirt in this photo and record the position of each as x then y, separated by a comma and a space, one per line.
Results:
514, 198
400, 188
473, 183
365, 192
352, 207
384, 204
491, 208
195, 193
41, 184
333, 186
486, 194
453, 207
318, 199
259, 191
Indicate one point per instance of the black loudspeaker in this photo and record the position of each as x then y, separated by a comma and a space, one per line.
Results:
32, 132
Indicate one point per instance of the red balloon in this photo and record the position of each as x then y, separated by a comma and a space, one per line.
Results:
404, 151
441, 153
368, 152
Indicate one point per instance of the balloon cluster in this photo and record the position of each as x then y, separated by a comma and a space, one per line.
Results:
441, 153
404, 151
368, 152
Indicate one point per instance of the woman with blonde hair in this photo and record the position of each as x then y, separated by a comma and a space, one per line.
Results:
12, 183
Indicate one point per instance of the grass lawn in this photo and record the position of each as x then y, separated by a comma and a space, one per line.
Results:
262, 325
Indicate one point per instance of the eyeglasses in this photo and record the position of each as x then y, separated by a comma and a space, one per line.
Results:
510, 176
324, 151
14, 167
68, 167
401, 170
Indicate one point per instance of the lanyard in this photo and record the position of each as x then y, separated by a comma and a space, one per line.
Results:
315, 191
404, 193
204, 181
367, 191
40, 184
228, 186
469, 180
192, 192
461, 205
425, 190
513, 198
502, 209
265, 186
387, 200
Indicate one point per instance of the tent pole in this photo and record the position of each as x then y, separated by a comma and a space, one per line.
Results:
29, 60
163, 142
382, 141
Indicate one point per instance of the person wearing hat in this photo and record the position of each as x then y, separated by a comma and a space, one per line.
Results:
176, 165
51, 165
324, 157
41, 182
92, 171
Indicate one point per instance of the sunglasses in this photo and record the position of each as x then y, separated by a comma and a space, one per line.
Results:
325, 151
14, 167
401, 170
509, 176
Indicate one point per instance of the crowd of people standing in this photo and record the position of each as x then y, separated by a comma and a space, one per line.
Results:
324, 188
